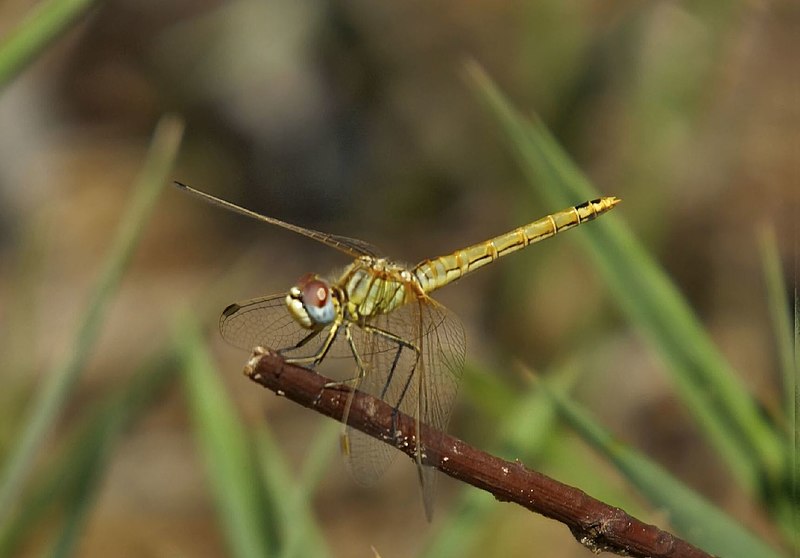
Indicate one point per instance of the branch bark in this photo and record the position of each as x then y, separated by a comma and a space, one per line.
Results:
596, 525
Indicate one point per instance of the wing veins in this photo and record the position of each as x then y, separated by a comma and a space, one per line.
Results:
350, 246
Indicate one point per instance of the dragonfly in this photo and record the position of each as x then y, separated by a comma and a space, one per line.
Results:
405, 348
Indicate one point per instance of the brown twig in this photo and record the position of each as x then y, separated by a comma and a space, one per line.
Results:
594, 524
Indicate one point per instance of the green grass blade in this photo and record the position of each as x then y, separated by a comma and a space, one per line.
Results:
524, 431
114, 417
43, 25
787, 503
323, 447
73, 475
486, 391
705, 380
779, 311
795, 419
301, 535
693, 518
54, 486
58, 384
17, 344
223, 441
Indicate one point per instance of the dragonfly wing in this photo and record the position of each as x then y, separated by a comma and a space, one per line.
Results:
442, 345
264, 322
443, 352
366, 457
350, 246
421, 383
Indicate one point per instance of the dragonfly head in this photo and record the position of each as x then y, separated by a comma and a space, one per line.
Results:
311, 302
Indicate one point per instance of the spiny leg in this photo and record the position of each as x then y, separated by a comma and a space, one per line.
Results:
391, 371
401, 344
396, 408
316, 358
362, 367
307, 338
362, 372
302, 343
344, 439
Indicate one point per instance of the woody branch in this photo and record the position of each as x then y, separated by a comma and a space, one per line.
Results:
594, 524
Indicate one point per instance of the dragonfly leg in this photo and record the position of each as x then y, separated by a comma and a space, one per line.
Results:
316, 358
304, 341
396, 408
345, 440
362, 372
362, 369
401, 344
391, 370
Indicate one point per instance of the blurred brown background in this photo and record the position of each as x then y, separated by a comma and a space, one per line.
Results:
356, 118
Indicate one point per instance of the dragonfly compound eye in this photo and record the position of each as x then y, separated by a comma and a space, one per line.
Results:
310, 302
315, 293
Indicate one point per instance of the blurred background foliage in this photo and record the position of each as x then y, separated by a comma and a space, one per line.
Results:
358, 118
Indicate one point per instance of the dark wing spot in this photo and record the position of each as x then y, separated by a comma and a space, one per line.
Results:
230, 310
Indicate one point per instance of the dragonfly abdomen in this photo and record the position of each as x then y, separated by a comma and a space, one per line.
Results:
438, 272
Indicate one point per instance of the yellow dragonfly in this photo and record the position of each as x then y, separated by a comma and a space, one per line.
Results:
407, 349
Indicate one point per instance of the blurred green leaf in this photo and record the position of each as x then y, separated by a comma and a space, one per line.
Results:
705, 380
80, 450
43, 25
292, 493
694, 518
74, 475
524, 429
232, 470
115, 414
787, 504
486, 391
58, 384
779, 309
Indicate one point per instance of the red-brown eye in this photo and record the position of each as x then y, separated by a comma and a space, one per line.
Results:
315, 293
311, 302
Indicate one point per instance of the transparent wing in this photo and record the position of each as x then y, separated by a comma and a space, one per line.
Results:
350, 246
266, 322
261, 322
422, 384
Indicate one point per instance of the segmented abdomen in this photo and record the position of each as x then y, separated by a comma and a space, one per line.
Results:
438, 272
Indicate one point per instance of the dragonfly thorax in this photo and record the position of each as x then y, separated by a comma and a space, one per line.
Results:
311, 302
373, 286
